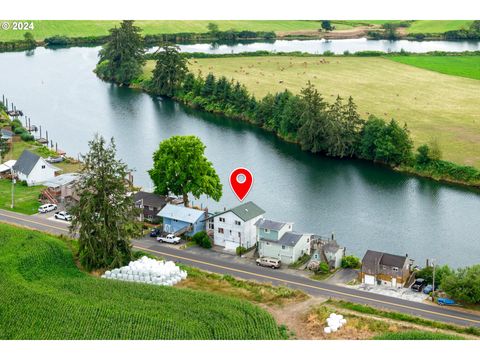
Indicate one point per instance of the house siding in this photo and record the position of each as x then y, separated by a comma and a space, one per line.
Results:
38, 175
287, 255
234, 234
172, 225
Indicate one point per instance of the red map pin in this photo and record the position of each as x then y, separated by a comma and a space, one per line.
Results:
241, 180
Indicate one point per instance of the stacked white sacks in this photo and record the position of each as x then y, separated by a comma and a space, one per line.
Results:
334, 322
148, 271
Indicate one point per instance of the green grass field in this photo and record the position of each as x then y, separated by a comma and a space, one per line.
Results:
26, 197
437, 26
466, 66
45, 296
74, 28
433, 105
417, 335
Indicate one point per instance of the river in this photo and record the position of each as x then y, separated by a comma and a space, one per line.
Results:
367, 206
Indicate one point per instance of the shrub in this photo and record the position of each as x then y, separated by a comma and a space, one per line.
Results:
323, 268
202, 239
240, 250
26, 136
328, 53
19, 130
350, 262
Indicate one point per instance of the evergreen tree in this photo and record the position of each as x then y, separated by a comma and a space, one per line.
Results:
105, 215
170, 70
209, 85
122, 57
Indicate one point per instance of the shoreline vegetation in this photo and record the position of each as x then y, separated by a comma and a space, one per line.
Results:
84, 33
335, 129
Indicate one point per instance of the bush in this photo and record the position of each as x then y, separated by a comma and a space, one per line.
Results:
19, 130
201, 239
350, 262
26, 136
323, 268
240, 250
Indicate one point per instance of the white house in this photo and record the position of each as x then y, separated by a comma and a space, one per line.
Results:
236, 227
33, 169
277, 240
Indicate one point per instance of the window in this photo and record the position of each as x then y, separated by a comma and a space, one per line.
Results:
210, 226
230, 232
395, 269
268, 243
283, 247
220, 230
221, 219
239, 234
43, 166
266, 230
147, 207
237, 222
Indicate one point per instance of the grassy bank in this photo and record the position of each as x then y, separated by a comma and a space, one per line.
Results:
437, 26
379, 86
465, 66
26, 197
45, 296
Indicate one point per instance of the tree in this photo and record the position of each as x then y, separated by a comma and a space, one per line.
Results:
105, 215
441, 272
202, 239
170, 70
180, 167
30, 40
350, 262
323, 268
213, 28
122, 57
463, 284
4, 148
327, 25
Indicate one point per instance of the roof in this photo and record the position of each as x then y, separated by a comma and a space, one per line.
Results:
290, 238
247, 211
6, 133
61, 180
372, 260
182, 213
270, 224
151, 199
26, 162
7, 165
331, 247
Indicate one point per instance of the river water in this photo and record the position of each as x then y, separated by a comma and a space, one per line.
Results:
367, 206
335, 46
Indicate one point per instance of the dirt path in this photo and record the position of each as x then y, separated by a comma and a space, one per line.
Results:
354, 33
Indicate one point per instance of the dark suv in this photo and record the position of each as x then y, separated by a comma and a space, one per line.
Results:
419, 284
155, 232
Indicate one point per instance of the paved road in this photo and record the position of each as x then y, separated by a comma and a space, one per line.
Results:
209, 262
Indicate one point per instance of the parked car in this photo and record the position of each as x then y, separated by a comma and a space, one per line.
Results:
429, 288
47, 208
155, 232
170, 238
445, 301
419, 284
268, 262
63, 215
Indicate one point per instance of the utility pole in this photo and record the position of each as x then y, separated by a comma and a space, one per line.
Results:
13, 187
433, 280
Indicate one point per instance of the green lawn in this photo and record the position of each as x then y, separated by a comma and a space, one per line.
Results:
417, 335
45, 296
466, 66
433, 105
26, 198
437, 26
73, 28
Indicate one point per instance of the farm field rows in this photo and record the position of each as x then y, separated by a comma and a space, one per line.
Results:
45, 296
465, 66
434, 105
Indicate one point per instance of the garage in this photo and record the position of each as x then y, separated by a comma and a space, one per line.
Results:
369, 279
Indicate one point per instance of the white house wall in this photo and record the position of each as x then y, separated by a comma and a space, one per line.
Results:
38, 175
230, 239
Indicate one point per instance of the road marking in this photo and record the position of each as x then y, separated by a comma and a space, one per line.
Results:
309, 286
266, 276
33, 222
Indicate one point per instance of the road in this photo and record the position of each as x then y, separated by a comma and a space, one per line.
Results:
210, 262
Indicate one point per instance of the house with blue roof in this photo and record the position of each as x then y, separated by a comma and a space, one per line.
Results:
181, 220
278, 240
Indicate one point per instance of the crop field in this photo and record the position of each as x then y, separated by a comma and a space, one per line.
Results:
45, 296
465, 66
434, 105
437, 26
26, 197
79, 28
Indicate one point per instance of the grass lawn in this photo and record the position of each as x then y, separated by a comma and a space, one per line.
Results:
26, 198
437, 26
433, 105
73, 28
466, 66
416, 335
45, 296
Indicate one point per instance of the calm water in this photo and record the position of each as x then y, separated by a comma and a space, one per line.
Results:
336, 46
365, 205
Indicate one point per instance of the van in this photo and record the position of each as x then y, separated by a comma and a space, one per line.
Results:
268, 262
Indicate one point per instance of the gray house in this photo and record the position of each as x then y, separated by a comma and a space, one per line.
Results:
150, 204
385, 269
277, 240
330, 252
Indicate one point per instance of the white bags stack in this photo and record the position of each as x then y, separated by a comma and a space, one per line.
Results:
334, 322
148, 271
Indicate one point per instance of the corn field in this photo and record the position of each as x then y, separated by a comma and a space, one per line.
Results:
44, 296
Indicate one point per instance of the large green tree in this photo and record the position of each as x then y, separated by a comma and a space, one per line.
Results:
122, 57
105, 215
463, 284
180, 167
170, 70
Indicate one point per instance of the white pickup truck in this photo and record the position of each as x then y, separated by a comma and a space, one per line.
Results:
170, 238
